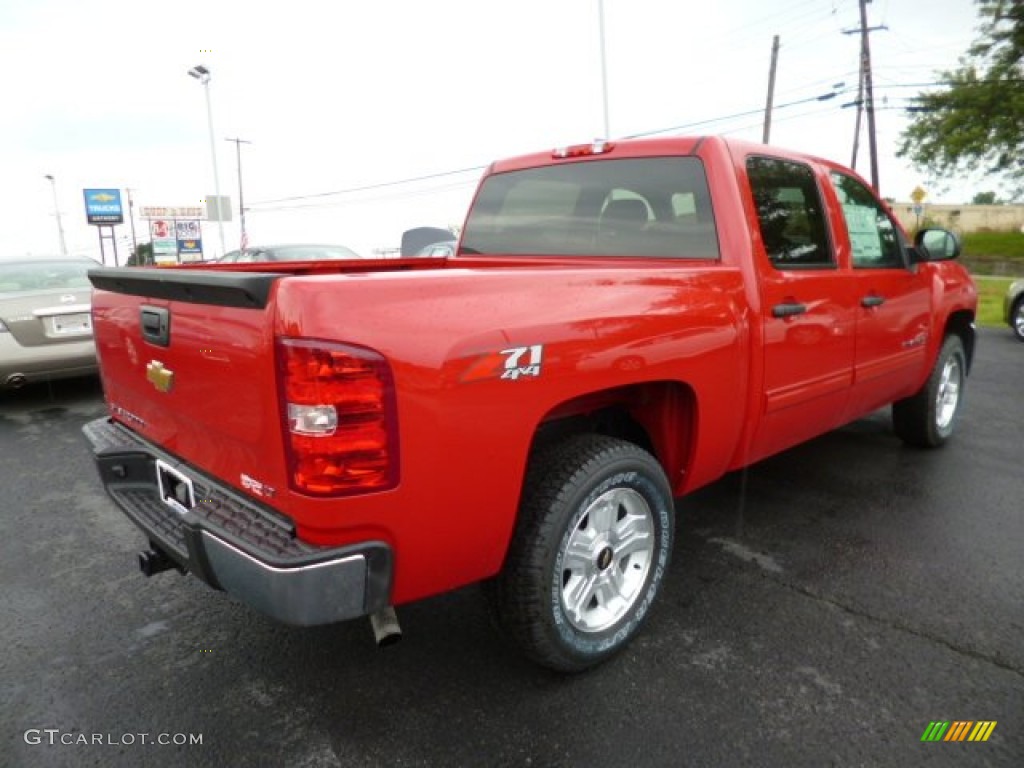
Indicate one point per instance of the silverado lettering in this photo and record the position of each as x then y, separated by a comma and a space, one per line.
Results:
621, 324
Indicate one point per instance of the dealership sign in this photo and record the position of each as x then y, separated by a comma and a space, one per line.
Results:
162, 233
172, 211
103, 206
190, 243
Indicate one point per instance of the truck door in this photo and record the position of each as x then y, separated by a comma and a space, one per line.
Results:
893, 301
807, 306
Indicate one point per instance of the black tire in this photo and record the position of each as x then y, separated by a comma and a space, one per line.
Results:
610, 500
1017, 318
927, 419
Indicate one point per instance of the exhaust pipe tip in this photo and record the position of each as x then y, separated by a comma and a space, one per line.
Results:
386, 629
16, 381
152, 562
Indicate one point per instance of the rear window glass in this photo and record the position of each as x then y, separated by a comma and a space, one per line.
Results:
29, 277
647, 207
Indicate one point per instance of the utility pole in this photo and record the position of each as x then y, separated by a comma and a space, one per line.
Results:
243, 236
869, 92
860, 112
866, 88
771, 91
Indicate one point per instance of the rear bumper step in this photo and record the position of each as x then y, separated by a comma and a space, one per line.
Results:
235, 545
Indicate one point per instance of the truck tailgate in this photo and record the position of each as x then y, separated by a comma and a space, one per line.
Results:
188, 362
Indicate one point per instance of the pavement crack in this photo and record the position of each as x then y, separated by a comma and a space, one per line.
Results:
899, 626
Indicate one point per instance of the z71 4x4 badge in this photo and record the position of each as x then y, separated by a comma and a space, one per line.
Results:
509, 364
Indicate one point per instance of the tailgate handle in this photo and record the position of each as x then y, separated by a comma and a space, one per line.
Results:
156, 325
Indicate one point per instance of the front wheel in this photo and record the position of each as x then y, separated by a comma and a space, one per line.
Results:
927, 418
589, 554
1017, 318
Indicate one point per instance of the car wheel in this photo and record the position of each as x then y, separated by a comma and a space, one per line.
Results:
590, 551
927, 419
1017, 318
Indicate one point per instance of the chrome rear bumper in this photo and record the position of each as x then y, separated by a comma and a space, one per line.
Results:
235, 545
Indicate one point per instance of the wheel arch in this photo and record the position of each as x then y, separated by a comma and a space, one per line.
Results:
658, 416
961, 323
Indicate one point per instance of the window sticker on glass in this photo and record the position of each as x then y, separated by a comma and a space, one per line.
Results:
862, 223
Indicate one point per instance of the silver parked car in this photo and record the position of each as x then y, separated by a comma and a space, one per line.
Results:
301, 252
444, 249
1013, 308
45, 320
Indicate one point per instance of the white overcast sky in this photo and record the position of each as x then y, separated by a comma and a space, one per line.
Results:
336, 95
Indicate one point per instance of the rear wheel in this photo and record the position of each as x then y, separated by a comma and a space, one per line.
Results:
927, 418
589, 553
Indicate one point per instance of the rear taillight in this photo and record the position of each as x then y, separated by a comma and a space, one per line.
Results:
340, 418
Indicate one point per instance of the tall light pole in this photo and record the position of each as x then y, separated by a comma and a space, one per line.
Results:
604, 70
202, 74
56, 213
243, 237
131, 218
766, 134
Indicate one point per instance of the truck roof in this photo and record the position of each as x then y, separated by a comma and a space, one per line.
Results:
649, 147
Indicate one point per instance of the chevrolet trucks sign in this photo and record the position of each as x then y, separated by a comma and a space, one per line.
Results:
103, 206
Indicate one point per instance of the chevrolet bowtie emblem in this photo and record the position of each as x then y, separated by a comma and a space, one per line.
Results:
159, 377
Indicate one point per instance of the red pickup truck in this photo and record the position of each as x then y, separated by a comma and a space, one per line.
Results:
621, 323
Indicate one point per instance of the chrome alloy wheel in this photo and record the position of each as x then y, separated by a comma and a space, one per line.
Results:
606, 560
1018, 318
948, 395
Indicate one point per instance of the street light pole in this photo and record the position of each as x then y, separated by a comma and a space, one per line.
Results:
202, 74
604, 70
243, 237
56, 213
131, 218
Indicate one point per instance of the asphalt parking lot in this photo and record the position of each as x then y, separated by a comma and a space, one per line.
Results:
823, 608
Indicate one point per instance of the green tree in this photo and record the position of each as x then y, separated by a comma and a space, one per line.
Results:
975, 121
142, 256
985, 198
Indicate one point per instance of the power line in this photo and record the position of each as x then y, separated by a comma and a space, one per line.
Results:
273, 205
786, 119
823, 97
370, 186
396, 195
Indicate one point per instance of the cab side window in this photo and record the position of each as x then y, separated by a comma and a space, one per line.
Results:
790, 214
874, 238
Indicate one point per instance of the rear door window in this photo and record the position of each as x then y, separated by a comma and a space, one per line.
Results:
644, 207
790, 214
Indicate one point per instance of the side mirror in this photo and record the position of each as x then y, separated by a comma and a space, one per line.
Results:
935, 244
